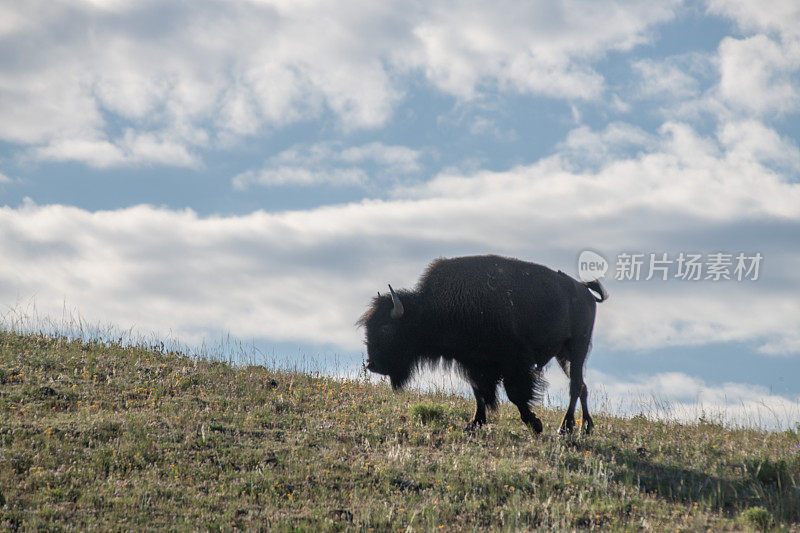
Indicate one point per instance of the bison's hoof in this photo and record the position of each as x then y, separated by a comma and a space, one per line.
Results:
536, 425
473, 425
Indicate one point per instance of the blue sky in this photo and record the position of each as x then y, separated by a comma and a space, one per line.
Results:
262, 168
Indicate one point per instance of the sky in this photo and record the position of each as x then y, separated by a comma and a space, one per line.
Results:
257, 170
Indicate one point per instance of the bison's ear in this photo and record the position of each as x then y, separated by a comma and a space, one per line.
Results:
397, 310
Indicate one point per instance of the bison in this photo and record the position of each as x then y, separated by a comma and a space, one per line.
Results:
493, 318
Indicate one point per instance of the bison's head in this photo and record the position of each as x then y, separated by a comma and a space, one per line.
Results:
388, 346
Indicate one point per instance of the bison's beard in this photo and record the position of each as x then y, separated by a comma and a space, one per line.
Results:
400, 375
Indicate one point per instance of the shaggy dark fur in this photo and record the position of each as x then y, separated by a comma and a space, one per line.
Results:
494, 318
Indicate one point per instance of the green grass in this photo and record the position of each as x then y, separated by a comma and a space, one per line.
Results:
427, 413
101, 436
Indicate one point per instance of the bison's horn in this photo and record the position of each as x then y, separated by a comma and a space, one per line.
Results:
397, 310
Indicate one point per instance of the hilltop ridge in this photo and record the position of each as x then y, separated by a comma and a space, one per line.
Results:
101, 435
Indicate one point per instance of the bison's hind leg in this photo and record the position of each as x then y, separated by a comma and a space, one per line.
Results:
571, 360
521, 385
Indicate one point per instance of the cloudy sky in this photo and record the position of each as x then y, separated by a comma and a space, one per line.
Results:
261, 168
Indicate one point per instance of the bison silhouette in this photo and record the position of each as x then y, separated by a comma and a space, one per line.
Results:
494, 318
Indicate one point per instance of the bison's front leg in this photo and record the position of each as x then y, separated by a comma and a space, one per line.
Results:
519, 388
484, 387
479, 418
531, 420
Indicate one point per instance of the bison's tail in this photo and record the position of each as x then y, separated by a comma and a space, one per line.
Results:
597, 290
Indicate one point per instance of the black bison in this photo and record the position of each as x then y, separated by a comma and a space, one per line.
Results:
494, 318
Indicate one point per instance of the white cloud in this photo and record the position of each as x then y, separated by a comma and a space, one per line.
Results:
685, 174
37, 106
131, 149
782, 16
299, 176
670, 79
482, 125
751, 142
187, 75
331, 164
680, 397
398, 158
755, 76
306, 275
166, 68
618, 138
697, 314
760, 76
538, 47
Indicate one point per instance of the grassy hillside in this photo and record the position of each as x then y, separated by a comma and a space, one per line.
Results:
110, 437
